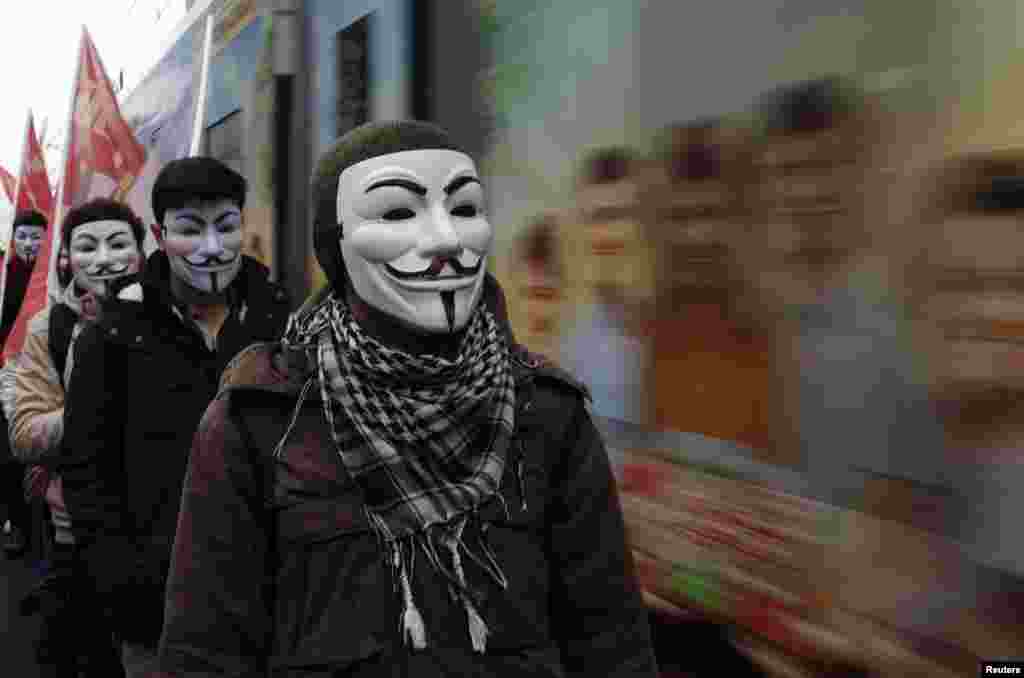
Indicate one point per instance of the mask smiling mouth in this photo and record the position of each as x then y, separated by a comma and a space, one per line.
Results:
108, 272
435, 271
211, 264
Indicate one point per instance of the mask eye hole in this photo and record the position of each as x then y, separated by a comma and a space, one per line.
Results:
465, 211
398, 214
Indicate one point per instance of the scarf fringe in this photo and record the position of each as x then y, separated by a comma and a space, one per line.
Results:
478, 630
411, 623
414, 631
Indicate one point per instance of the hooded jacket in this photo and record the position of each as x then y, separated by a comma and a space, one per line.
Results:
276, 570
142, 377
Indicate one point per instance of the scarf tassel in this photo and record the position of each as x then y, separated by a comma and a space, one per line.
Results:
478, 630
414, 631
488, 563
412, 625
492, 567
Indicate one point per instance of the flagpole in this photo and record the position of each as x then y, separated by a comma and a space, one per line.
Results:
17, 190
52, 283
204, 77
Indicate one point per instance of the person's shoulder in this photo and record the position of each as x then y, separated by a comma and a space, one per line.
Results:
261, 367
546, 373
259, 277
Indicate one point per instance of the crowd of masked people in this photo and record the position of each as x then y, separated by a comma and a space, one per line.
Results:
381, 483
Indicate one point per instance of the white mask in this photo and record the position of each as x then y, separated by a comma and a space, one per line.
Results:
203, 242
101, 252
27, 242
416, 236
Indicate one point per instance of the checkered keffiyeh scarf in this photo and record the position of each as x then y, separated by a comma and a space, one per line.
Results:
428, 441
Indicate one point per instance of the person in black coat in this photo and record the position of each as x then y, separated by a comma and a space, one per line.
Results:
28, 231
144, 374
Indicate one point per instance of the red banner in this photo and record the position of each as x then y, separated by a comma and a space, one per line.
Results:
103, 155
103, 158
10, 184
33, 192
34, 184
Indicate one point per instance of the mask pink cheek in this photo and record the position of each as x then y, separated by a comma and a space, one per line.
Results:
76, 265
380, 244
178, 248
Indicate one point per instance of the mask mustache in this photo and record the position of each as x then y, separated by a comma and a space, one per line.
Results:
436, 266
107, 270
210, 262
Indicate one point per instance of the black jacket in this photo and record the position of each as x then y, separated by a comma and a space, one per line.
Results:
277, 571
142, 378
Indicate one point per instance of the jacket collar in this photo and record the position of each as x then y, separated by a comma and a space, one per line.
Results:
272, 367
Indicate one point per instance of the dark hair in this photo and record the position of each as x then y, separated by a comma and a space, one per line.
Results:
29, 218
101, 209
691, 151
539, 242
807, 106
197, 178
607, 165
362, 143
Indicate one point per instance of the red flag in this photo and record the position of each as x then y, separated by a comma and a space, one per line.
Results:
10, 184
103, 156
33, 192
34, 183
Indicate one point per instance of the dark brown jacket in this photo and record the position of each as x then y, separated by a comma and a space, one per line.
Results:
275, 569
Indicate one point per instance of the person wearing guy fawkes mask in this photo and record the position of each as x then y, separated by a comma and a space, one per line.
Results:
28, 231
143, 376
428, 498
104, 239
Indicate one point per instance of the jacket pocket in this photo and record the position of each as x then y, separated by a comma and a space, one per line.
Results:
332, 588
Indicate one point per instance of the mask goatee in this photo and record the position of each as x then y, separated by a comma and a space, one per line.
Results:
448, 299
